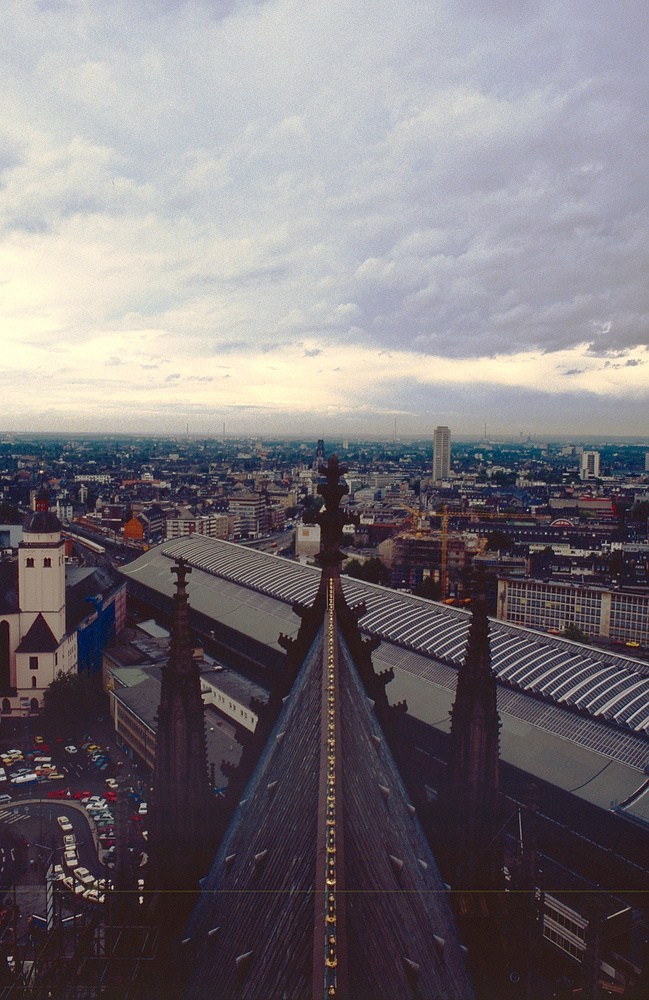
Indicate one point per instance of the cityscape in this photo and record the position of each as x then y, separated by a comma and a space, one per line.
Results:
324, 501
162, 605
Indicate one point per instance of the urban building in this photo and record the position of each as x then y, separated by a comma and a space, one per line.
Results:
188, 523
441, 454
589, 465
307, 540
249, 512
615, 614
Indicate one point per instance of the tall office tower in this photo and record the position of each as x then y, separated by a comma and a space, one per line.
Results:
589, 468
441, 454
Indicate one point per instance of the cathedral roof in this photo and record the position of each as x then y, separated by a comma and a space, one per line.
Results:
39, 638
325, 884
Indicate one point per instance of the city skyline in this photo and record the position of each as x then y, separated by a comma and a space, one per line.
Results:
320, 221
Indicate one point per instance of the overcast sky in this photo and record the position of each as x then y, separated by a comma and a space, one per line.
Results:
319, 217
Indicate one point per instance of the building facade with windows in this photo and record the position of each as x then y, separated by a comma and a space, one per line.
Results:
620, 615
589, 465
441, 454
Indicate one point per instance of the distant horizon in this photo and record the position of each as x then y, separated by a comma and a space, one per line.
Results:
179, 437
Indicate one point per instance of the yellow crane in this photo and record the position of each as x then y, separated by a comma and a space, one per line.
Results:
443, 570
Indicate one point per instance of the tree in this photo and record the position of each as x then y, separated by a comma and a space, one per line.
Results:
372, 570
428, 588
71, 700
571, 631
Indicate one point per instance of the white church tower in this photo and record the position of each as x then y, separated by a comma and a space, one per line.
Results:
41, 571
34, 645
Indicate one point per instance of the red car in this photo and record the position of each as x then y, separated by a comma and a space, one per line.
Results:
57, 793
110, 796
81, 795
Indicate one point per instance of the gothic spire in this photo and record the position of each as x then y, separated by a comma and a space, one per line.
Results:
182, 800
472, 781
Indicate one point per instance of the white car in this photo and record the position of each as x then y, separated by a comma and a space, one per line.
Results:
70, 749
112, 783
64, 823
71, 858
84, 876
24, 779
69, 840
142, 809
96, 800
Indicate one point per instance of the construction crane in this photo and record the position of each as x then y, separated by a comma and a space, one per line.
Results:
443, 570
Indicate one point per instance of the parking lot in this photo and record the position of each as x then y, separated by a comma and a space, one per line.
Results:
57, 812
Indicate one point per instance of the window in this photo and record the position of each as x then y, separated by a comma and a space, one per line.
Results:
33, 663
30, 563
47, 562
6, 706
34, 682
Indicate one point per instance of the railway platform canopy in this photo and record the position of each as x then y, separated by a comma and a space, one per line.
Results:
572, 715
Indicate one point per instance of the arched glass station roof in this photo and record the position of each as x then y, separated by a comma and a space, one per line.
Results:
601, 684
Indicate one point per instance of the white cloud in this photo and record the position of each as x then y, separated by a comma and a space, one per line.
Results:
460, 184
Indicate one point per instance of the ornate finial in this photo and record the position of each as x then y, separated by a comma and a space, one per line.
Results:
180, 649
331, 519
182, 570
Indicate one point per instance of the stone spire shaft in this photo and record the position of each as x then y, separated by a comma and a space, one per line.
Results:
473, 782
182, 799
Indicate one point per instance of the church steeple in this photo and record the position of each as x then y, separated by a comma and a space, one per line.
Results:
182, 801
472, 791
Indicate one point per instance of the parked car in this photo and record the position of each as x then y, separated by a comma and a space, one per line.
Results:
64, 823
84, 876
96, 800
71, 858
94, 895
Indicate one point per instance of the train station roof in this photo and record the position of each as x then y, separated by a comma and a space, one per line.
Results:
571, 715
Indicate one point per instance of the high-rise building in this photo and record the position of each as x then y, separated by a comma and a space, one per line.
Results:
441, 454
589, 466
